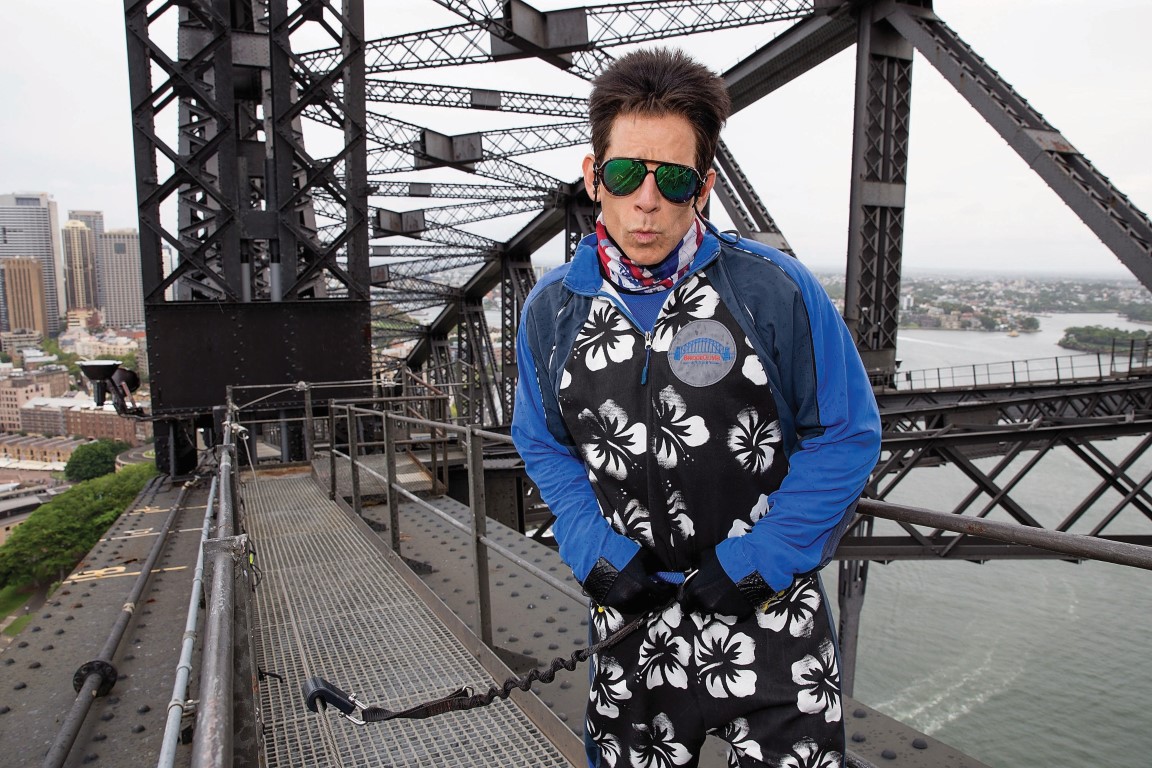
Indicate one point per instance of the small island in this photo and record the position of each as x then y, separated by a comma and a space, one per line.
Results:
1097, 338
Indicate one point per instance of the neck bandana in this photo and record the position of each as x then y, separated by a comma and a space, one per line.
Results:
630, 276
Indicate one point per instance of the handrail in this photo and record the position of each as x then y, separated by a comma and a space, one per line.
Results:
1093, 366
1065, 543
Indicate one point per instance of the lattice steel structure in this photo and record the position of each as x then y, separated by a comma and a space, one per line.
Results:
299, 140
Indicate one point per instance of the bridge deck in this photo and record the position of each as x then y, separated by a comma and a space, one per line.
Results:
331, 604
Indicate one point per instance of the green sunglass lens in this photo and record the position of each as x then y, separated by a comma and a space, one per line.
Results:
676, 182
623, 177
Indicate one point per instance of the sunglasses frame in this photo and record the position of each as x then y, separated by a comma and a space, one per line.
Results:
599, 175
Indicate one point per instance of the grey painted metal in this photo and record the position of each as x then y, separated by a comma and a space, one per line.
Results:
1061, 542
212, 739
314, 622
179, 703
478, 502
877, 192
92, 679
1123, 227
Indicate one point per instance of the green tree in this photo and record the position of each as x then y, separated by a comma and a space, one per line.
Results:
47, 546
1029, 323
93, 460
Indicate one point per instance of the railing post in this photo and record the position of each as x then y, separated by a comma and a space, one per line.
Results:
390, 473
478, 502
331, 450
354, 466
1099, 366
308, 432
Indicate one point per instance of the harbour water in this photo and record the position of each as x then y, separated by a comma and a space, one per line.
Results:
1020, 664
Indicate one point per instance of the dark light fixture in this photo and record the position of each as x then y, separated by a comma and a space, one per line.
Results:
108, 378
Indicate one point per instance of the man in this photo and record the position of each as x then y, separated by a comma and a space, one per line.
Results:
692, 403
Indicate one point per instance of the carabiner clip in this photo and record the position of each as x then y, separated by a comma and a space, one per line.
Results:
317, 689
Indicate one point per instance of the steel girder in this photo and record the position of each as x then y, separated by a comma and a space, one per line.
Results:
1123, 227
879, 174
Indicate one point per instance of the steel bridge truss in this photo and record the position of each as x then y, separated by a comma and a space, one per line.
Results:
299, 140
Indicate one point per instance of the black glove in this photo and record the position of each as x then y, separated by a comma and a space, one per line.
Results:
632, 590
711, 590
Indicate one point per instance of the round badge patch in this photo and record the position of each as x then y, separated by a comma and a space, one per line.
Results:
702, 353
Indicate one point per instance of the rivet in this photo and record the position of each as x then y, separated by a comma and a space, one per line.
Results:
919, 743
35, 629
144, 708
514, 594
513, 639
5, 709
860, 713
100, 737
58, 632
34, 665
858, 737
137, 729
888, 754
531, 606
22, 644
91, 757
565, 685
537, 634
19, 686
563, 717
48, 647
553, 647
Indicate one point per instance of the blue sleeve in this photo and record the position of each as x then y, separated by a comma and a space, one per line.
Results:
837, 427
582, 532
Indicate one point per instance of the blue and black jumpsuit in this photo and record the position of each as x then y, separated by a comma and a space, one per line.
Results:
742, 420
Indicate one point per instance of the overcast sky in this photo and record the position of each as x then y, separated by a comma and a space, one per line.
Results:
972, 203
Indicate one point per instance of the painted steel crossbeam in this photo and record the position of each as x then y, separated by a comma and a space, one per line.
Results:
1123, 227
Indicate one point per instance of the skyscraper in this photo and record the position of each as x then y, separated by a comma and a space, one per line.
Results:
95, 222
29, 226
123, 287
79, 265
24, 300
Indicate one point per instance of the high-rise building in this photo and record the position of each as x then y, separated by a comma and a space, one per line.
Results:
25, 304
123, 287
29, 226
79, 265
95, 222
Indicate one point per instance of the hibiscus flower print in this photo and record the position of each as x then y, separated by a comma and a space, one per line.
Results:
806, 753
753, 440
796, 611
736, 734
606, 620
675, 431
753, 370
609, 745
682, 524
724, 658
605, 337
819, 681
634, 522
663, 655
692, 300
741, 526
612, 440
656, 745
609, 689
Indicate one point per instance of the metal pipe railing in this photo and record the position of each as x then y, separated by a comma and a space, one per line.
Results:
212, 742
1062, 542
178, 702
99, 675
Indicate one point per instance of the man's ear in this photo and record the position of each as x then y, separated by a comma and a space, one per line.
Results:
706, 188
591, 179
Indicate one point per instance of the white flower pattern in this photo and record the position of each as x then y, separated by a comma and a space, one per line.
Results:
819, 681
612, 439
796, 611
681, 522
692, 300
609, 689
741, 526
664, 656
674, 431
634, 522
606, 336
724, 659
736, 734
806, 753
753, 440
656, 746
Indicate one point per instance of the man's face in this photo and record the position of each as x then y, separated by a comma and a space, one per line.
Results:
645, 224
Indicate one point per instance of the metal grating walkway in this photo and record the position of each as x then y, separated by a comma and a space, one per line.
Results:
329, 604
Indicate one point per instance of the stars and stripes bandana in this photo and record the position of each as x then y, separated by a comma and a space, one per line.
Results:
624, 273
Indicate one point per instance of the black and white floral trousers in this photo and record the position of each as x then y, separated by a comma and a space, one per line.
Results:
768, 685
